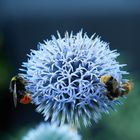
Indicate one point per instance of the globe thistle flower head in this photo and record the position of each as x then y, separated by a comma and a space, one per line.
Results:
52, 132
63, 77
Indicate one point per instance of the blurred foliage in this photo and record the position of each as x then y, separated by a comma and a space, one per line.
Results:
18, 133
4, 72
5, 68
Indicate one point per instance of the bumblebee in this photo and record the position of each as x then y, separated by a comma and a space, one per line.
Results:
114, 88
17, 87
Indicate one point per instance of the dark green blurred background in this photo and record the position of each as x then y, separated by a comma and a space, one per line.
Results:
25, 23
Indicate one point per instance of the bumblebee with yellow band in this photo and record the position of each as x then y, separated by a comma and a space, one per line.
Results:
17, 87
114, 88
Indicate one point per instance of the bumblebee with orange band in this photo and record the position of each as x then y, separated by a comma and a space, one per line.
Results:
17, 87
114, 88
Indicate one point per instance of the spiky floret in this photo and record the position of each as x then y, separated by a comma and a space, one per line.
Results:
63, 77
52, 132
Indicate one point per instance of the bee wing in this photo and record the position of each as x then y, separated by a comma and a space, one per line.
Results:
15, 95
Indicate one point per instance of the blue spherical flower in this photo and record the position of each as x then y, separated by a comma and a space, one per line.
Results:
64, 78
52, 132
